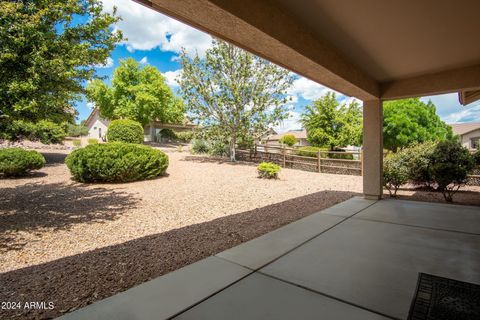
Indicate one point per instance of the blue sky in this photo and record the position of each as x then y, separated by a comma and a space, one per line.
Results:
156, 39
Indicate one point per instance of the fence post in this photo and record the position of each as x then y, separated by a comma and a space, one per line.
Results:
319, 161
284, 156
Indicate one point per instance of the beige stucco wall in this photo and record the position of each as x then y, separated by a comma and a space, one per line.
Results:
98, 127
466, 138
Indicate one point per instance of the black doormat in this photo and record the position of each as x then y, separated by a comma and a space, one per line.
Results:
440, 298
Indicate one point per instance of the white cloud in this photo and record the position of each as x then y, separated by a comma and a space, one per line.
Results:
108, 64
349, 100
146, 29
307, 89
90, 105
292, 123
468, 114
451, 111
144, 60
171, 77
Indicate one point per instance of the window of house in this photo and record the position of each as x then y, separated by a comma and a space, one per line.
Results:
475, 143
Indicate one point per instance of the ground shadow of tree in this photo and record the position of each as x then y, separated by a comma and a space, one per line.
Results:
461, 197
36, 206
216, 159
78, 280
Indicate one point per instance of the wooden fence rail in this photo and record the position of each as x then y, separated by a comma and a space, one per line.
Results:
321, 161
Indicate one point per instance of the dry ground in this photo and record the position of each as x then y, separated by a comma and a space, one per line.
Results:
73, 244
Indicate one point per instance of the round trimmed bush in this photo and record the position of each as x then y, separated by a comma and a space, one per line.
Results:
288, 139
116, 162
16, 162
125, 130
268, 170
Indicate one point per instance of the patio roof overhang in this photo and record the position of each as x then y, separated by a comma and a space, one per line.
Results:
369, 50
373, 50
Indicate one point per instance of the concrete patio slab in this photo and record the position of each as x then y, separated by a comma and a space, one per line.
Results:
376, 264
262, 250
350, 207
261, 297
165, 296
430, 215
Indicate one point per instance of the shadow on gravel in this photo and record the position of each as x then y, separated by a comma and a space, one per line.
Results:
76, 281
218, 160
36, 206
54, 158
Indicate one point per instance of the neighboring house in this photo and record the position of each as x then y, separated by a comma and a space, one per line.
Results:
97, 127
265, 135
469, 134
301, 135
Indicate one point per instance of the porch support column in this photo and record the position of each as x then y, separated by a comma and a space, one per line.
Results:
372, 164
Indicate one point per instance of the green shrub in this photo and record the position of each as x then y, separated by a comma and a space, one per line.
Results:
288, 139
16, 162
308, 151
200, 146
395, 172
168, 134
76, 130
77, 143
450, 165
268, 170
48, 132
185, 136
418, 159
218, 148
45, 131
245, 142
92, 141
343, 156
125, 130
18, 130
476, 158
116, 162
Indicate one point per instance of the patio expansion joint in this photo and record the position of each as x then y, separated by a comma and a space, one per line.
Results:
210, 295
311, 238
328, 296
264, 265
419, 227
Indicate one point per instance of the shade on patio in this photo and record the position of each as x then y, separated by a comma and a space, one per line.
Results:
357, 260
373, 50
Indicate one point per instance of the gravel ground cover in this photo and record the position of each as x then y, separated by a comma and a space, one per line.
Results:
72, 244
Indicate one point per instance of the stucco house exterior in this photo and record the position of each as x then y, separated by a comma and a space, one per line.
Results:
469, 134
301, 135
97, 127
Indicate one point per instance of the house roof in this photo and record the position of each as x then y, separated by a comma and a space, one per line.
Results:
463, 128
299, 134
90, 116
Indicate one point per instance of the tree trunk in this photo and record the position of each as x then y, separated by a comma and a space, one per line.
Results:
232, 150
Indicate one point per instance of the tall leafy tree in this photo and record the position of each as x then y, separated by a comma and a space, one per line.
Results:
331, 124
137, 93
410, 121
234, 94
49, 48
